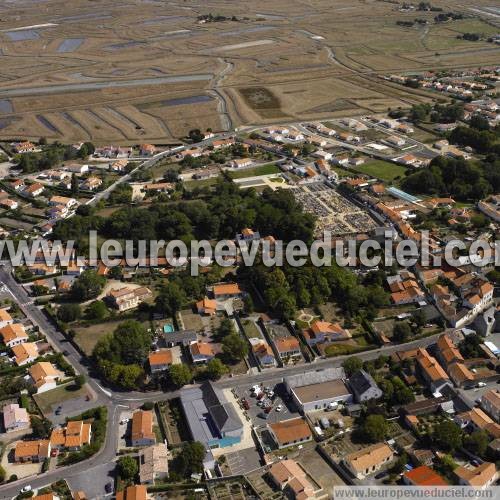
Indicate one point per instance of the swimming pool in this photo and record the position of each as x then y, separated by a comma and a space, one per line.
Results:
168, 328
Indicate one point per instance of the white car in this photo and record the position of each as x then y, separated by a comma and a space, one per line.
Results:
124, 421
26, 489
481, 384
279, 408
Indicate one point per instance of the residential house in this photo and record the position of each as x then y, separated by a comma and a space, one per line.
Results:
32, 451
91, 183
15, 418
13, 334
206, 306
481, 476
44, 376
474, 419
322, 155
432, 372
24, 147
5, 318
368, 460
147, 149
34, 190
136, 492
241, 162
263, 352
291, 478
341, 160
226, 291
324, 332
18, 184
159, 187
142, 429
127, 298
72, 437
153, 463
364, 387
201, 352
25, 353
67, 203
423, 476
287, 347
9, 204
394, 140
160, 361
290, 432
223, 143
490, 402
118, 165
75, 168
47, 496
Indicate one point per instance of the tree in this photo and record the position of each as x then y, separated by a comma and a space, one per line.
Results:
79, 381
40, 427
248, 302
418, 317
2, 474
216, 368
447, 435
88, 286
352, 365
234, 347
127, 467
477, 442
170, 299
375, 428
69, 312
399, 465
195, 135
180, 375
75, 188
401, 331
96, 310
190, 459
225, 328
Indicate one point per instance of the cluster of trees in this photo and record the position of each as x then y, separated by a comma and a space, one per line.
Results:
288, 288
440, 113
471, 37
460, 179
188, 461
478, 136
52, 155
120, 356
221, 215
449, 16
88, 286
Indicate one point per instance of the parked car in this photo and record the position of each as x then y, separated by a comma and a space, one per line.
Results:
108, 488
26, 488
279, 408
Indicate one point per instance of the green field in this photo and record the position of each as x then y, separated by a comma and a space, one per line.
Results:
47, 400
255, 171
202, 183
382, 170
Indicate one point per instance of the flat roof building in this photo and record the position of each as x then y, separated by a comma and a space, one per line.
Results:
317, 390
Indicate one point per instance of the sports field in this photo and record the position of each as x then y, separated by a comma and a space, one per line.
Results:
382, 170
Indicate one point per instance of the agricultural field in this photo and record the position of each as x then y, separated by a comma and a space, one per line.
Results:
150, 71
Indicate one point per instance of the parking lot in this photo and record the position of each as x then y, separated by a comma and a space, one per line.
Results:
279, 400
124, 429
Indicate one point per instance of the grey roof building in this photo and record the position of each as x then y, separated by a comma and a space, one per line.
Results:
317, 390
364, 387
184, 337
212, 420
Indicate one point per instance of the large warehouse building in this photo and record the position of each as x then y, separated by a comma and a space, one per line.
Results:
317, 390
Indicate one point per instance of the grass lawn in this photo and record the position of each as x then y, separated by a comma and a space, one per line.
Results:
88, 336
251, 329
341, 349
382, 170
190, 185
255, 171
341, 172
46, 400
